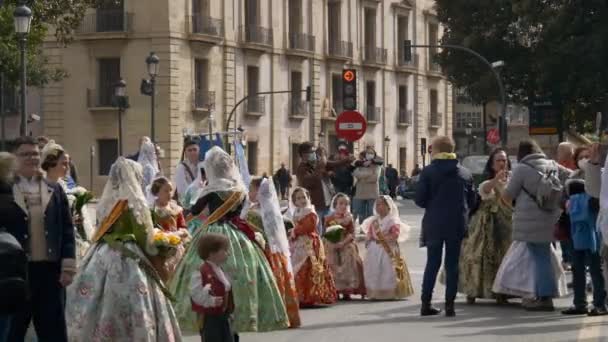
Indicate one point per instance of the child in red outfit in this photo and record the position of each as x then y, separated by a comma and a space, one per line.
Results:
210, 290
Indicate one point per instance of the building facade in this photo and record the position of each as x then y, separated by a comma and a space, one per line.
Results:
213, 53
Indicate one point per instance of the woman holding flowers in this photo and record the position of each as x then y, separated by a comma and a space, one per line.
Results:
386, 274
168, 215
258, 302
342, 251
314, 281
117, 295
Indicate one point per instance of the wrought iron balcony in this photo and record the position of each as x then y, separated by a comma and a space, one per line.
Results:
257, 35
435, 120
100, 98
301, 41
298, 107
405, 117
207, 25
106, 21
403, 63
255, 105
374, 55
203, 100
340, 49
372, 114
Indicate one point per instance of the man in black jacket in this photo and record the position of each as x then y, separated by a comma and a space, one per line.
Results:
44, 228
445, 191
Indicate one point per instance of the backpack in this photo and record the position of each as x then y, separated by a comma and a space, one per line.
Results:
13, 274
548, 195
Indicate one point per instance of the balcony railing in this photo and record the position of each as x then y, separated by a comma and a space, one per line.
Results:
255, 105
405, 117
301, 41
100, 99
203, 99
10, 101
372, 114
207, 25
102, 21
433, 63
340, 49
374, 55
435, 120
297, 107
257, 35
403, 63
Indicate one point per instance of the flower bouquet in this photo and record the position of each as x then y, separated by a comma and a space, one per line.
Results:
82, 197
334, 233
166, 242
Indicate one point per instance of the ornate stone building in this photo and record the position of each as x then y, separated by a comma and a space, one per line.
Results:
213, 53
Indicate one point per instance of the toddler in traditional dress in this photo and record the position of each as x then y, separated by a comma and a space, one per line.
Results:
211, 291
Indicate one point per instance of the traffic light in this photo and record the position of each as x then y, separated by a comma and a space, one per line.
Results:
308, 94
407, 50
349, 89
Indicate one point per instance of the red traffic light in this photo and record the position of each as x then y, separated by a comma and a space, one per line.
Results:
348, 75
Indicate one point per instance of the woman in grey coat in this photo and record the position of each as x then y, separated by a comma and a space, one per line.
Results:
531, 269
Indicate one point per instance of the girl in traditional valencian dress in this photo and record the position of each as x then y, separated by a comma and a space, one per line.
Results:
343, 256
258, 302
314, 281
266, 206
386, 274
168, 215
117, 295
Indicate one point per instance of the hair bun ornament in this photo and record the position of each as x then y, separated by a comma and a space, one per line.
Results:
51, 149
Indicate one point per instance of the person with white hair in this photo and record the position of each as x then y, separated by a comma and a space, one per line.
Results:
117, 295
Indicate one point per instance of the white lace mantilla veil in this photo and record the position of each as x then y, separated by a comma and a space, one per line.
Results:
274, 226
147, 154
222, 173
125, 183
391, 219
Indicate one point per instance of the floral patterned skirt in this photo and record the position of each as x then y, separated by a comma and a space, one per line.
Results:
287, 287
314, 281
347, 268
113, 299
258, 302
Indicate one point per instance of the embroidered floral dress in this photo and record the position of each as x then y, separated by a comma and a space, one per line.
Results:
170, 219
487, 243
314, 280
343, 257
258, 302
117, 296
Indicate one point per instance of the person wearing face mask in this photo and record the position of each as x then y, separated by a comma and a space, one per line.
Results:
343, 176
313, 172
367, 174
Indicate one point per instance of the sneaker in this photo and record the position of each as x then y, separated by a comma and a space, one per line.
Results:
545, 305
575, 311
598, 312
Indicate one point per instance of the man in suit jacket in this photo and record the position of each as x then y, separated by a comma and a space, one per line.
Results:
45, 230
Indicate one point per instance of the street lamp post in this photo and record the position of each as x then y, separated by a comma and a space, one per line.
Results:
2, 113
152, 62
387, 141
122, 102
321, 138
468, 131
23, 19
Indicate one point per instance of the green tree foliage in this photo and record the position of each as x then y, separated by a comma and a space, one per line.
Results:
49, 17
555, 49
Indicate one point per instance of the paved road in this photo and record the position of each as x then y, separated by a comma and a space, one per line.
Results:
364, 321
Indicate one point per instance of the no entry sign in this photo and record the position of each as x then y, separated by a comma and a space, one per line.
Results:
493, 137
351, 125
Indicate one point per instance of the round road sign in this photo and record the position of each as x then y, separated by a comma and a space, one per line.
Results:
493, 137
351, 125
